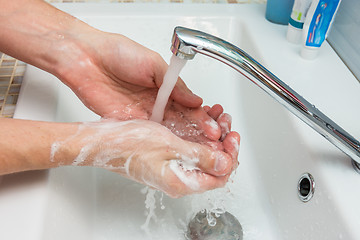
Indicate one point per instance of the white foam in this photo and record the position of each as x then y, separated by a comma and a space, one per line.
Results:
84, 153
163, 168
54, 148
180, 169
235, 143
213, 125
127, 164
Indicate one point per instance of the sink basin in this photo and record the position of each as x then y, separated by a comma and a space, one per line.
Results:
276, 148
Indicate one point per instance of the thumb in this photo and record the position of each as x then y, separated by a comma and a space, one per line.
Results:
183, 95
211, 161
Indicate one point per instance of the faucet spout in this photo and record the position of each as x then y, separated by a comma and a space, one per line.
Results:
187, 42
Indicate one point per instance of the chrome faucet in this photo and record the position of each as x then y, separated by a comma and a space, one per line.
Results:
187, 42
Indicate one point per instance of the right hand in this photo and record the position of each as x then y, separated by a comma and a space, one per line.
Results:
149, 153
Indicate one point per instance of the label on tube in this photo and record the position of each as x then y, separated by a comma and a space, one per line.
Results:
321, 22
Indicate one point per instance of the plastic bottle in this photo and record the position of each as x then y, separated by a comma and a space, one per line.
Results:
297, 19
278, 11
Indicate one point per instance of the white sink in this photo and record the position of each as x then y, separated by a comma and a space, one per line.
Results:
276, 147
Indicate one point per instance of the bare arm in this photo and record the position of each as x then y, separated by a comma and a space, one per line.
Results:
122, 147
116, 78
33, 31
37, 33
26, 145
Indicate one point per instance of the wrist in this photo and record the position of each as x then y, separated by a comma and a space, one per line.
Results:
65, 144
26, 145
70, 49
44, 153
74, 54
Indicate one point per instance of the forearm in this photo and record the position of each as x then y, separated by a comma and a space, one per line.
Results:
34, 145
163, 161
26, 145
37, 33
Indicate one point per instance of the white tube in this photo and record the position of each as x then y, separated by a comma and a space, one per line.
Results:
317, 24
297, 19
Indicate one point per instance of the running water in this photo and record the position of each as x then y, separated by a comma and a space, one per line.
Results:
170, 78
215, 198
169, 81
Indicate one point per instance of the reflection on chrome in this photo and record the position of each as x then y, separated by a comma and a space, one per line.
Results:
187, 42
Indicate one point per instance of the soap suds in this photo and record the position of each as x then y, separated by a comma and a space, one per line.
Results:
54, 148
98, 130
163, 169
236, 146
127, 164
83, 155
181, 169
213, 125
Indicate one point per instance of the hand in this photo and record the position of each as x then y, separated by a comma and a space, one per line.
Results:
120, 90
112, 75
116, 77
162, 161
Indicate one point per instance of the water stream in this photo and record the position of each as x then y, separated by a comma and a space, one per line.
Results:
215, 198
170, 78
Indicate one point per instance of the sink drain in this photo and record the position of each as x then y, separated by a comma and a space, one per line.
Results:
227, 227
306, 187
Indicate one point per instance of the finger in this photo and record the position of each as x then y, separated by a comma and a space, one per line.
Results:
211, 128
215, 111
231, 145
206, 108
183, 95
213, 162
224, 120
202, 121
183, 182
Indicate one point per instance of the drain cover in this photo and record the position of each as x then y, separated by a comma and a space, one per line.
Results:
227, 227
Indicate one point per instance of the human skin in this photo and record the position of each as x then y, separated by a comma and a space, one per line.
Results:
120, 146
118, 79
112, 75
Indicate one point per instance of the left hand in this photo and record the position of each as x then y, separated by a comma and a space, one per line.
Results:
117, 77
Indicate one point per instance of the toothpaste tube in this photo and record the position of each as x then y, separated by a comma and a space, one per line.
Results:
317, 25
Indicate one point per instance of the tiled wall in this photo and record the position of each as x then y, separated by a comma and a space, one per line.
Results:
345, 34
11, 74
